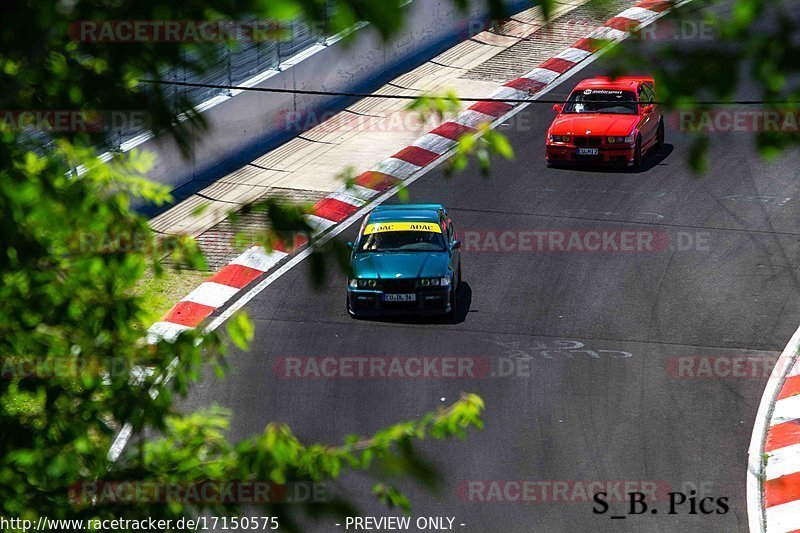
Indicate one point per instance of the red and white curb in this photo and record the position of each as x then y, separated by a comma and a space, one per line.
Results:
226, 284
773, 470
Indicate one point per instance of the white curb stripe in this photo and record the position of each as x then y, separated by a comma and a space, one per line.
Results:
637, 13
510, 93
434, 143
319, 224
786, 410
357, 191
472, 119
397, 168
167, 331
543, 75
211, 294
608, 34
258, 259
576, 55
784, 517
783, 461
342, 196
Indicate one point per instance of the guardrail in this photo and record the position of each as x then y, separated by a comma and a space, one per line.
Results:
243, 123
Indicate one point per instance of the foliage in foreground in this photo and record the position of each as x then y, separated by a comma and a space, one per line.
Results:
73, 248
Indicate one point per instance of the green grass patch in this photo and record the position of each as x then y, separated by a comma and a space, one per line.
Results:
160, 293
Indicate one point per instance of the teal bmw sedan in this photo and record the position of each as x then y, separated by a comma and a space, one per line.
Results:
406, 260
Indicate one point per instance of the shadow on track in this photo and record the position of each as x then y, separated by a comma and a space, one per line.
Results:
652, 159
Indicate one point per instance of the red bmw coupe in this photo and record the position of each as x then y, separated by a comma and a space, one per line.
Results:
606, 121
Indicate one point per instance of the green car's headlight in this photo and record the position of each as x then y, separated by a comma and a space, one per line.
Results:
363, 283
435, 282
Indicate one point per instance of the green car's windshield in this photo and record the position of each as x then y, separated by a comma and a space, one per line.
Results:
402, 241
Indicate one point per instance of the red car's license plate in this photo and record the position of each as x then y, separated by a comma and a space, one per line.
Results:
588, 151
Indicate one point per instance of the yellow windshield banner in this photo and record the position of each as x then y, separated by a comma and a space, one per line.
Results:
383, 227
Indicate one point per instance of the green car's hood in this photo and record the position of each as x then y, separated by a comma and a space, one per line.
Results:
400, 265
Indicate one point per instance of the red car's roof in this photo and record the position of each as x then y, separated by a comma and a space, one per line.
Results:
625, 83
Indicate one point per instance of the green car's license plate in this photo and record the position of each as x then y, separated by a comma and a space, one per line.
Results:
400, 297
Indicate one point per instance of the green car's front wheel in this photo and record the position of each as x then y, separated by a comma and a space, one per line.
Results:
453, 301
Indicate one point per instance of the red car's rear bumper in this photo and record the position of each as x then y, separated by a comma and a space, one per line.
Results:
563, 153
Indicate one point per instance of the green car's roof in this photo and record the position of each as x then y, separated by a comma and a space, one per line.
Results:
406, 212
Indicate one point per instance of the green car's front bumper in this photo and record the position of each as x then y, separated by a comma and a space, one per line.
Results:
372, 302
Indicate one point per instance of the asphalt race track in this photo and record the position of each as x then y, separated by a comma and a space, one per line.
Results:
596, 334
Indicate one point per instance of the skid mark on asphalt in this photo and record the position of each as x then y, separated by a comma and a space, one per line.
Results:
466, 330
558, 348
759, 200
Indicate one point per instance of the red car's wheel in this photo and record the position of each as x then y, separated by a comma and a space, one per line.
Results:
637, 153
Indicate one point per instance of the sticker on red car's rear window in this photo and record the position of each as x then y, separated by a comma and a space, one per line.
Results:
602, 91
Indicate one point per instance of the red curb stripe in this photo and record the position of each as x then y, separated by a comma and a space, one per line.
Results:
416, 156
494, 109
333, 209
657, 6
452, 130
288, 248
622, 24
188, 313
782, 490
782, 435
235, 276
377, 181
790, 387
589, 44
526, 84
556, 64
